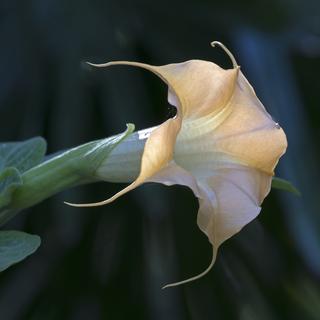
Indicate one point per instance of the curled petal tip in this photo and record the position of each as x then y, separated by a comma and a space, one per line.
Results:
227, 51
213, 43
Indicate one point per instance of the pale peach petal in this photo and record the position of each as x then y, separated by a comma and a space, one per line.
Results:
201, 88
174, 174
222, 144
196, 88
249, 134
158, 150
229, 199
157, 155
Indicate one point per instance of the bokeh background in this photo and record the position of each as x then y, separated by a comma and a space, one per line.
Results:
110, 262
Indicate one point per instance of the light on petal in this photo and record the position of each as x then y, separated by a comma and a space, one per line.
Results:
222, 144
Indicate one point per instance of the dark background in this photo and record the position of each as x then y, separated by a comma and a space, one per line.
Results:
110, 262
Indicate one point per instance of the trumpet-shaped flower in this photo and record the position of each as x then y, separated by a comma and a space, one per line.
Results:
222, 144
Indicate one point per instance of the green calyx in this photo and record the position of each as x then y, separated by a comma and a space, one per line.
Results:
26, 181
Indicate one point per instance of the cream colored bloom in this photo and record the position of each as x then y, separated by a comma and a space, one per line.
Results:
222, 144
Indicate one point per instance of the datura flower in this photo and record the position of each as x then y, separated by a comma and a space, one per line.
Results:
222, 144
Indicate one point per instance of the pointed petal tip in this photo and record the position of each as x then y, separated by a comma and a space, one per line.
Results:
83, 205
175, 284
99, 65
72, 204
121, 62
110, 63
97, 204
107, 201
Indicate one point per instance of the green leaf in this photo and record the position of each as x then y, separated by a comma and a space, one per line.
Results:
16, 246
22, 155
10, 179
285, 185
6, 214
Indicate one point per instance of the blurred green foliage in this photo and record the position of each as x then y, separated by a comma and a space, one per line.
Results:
16, 246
